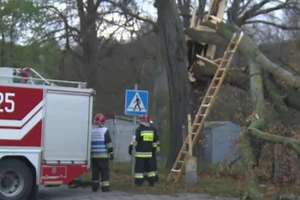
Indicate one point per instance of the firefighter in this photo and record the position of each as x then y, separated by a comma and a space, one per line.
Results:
145, 140
25, 74
102, 151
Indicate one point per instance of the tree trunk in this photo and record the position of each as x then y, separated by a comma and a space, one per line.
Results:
173, 53
2, 55
256, 88
185, 11
251, 147
206, 36
89, 42
292, 98
201, 8
11, 46
235, 76
276, 97
161, 109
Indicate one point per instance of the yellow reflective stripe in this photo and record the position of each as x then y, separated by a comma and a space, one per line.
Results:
143, 154
105, 183
133, 143
138, 175
147, 132
151, 174
109, 145
99, 155
148, 136
157, 149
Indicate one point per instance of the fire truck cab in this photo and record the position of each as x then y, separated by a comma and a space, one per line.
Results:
45, 128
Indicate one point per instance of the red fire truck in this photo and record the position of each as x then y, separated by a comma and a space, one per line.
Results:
45, 128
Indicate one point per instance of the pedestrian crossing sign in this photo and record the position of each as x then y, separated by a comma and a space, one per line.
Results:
136, 102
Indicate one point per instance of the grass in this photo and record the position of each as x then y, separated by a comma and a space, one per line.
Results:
208, 183
214, 180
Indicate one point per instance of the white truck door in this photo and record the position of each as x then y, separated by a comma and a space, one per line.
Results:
67, 127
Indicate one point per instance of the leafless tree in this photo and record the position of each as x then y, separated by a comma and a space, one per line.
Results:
243, 12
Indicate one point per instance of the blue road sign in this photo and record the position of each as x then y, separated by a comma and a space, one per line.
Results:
136, 102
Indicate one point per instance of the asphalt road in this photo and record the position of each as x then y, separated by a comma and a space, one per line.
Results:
63, 193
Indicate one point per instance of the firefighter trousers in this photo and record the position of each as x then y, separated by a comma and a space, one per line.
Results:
154, 163
144, 169
100, 166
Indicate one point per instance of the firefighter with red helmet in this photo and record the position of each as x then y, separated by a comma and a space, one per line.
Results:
145, 140
102, 151
25, 74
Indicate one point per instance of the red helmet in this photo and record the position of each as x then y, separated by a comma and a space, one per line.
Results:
144, 119
26, 69
99, 119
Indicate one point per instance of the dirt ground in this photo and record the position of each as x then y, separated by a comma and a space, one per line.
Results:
64, 193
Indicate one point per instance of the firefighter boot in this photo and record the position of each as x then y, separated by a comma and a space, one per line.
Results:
95, 186
105, 189
105, 186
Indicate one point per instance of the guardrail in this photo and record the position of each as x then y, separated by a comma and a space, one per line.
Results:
36, 78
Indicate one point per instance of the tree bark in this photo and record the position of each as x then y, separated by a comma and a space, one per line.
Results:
251, 147
291, 143
173, 53
161, 109
185, 11
276, 97
2, 55
234, 76
201, 8
257, 88
87, 13
206, 36
292, 98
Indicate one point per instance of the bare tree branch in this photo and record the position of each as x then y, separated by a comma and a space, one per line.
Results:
281, 26
127, 11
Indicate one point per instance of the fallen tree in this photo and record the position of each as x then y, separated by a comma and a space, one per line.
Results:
251, 51
261, 71
235, 76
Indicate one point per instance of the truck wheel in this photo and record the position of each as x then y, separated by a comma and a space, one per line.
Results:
16, 180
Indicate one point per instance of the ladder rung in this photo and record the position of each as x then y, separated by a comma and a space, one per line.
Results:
223, 65
197, 124
200, 115
176, 170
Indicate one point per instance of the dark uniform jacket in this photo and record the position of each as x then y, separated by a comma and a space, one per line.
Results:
146, 138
